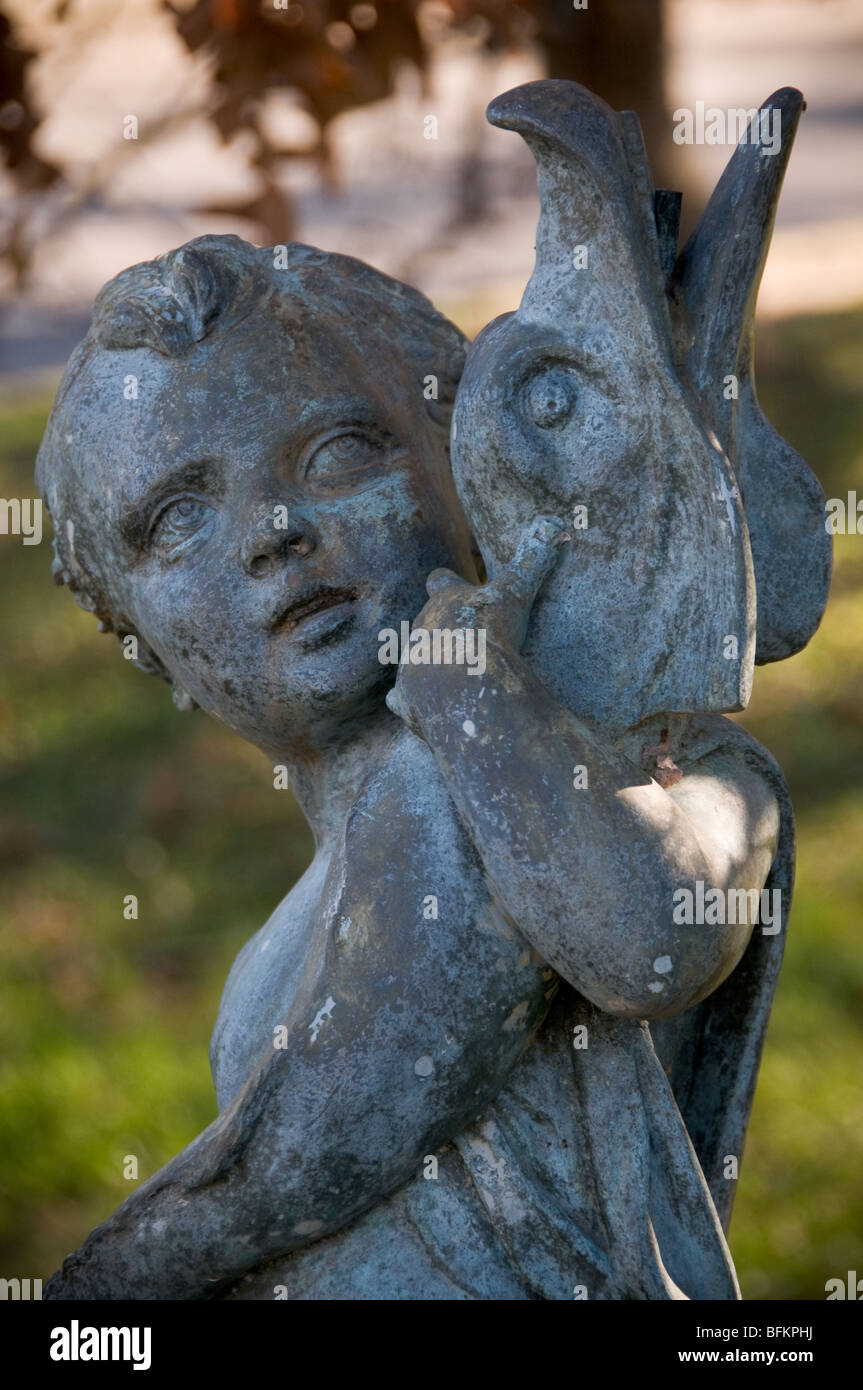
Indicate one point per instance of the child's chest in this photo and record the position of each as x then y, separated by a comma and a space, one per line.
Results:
398, 912
263, 983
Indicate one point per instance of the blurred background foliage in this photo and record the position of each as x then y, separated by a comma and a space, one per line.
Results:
105, 790
332, 56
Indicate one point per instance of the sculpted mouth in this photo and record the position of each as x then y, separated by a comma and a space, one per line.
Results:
310, 604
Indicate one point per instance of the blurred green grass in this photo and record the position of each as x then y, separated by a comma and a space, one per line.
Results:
106, 790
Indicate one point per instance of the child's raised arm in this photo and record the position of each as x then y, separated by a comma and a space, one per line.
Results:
588, 866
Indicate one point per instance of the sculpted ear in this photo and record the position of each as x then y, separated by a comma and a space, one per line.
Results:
713, 293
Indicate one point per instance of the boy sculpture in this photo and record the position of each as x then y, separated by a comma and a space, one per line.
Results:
480, 1050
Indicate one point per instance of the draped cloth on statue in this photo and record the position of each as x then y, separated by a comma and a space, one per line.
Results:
599, 1171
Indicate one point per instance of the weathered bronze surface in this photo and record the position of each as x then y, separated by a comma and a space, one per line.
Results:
478, 1051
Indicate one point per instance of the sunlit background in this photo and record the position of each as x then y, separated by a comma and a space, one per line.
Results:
310, 122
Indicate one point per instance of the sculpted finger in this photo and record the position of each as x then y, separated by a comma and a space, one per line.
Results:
396, 703
536, 555
439, 580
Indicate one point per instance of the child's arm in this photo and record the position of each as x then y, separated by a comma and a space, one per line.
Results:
589, 872
404, 1029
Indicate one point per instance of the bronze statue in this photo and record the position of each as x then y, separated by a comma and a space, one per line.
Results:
479, 1050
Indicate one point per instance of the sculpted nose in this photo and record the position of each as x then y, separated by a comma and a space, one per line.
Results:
272, 537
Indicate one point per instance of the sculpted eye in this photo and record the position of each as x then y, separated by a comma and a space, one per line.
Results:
551, 397
178, 521
341, 458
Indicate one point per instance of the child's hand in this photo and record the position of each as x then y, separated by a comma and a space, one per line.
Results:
500, 610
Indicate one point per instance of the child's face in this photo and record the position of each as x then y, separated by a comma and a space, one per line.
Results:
273, 628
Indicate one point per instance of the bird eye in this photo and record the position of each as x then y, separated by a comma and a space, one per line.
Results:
342, 458
178, 521
551, 396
